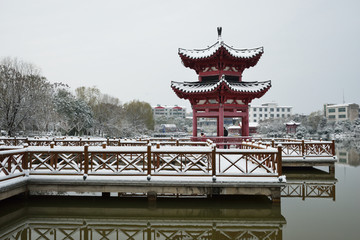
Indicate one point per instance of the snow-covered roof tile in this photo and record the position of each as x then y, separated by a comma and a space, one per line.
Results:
199, 87
207, 52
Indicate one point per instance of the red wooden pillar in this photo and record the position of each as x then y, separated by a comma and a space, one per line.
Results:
194, 123
245, 123
221, 121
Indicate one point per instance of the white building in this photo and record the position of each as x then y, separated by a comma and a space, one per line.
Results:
169, 111
264, 111
341, 112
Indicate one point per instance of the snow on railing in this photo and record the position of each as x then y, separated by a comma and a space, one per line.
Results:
291, 147
306, 148
254, 159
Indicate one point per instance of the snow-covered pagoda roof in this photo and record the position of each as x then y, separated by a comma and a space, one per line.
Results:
212, 50
292, 123
220, 55
190, 88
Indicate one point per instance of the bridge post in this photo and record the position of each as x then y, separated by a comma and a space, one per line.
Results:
25, 164
213, 161
86, 158
149, 159
303, 147
279, 160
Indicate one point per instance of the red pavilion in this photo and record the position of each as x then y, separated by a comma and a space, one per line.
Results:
220, 92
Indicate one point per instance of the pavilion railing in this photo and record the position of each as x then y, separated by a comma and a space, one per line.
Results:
252, 160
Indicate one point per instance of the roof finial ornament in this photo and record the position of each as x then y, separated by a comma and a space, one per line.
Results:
219, 29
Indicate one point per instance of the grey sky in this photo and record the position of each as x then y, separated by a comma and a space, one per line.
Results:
128, 49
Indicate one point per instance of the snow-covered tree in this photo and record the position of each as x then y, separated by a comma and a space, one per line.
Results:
272, 128
23, 94
75, 116
301, 132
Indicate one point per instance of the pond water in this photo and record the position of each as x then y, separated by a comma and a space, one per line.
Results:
314, 205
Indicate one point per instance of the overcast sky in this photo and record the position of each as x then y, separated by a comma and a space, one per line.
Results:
129, 49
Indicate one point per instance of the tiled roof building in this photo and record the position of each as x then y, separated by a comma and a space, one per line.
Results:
220, 92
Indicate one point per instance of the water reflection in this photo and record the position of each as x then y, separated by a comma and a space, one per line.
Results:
308, 183
348, 155
71, 218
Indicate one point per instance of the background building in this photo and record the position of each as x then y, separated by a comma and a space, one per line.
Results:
268, 111
169, 111
341, 112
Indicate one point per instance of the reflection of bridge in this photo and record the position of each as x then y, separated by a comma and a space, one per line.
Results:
123, 219
308, 183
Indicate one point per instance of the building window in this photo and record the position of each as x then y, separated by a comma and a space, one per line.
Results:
283, 109
288, 109
331, 110
265, 115
254, 120
342, 116
254, 115
260, 109
283, 115
342, 110
272, 115
254, 109
277, 115
271, 109
278, 109
260, 115
265, 109
331, 116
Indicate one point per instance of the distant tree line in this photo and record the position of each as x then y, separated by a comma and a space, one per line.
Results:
30, 103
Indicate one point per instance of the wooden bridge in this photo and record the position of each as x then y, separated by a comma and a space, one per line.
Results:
295, 152
152, 167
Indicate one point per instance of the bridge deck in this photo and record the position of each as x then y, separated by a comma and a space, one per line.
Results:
157, 186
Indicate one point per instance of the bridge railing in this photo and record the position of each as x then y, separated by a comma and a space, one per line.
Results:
290, 147
98, 142
142, 161
305, 148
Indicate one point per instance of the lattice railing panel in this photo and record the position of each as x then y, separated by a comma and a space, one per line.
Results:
182, 163
127, 163
292, 149
11, 164
318, 149
246, 163
69, 162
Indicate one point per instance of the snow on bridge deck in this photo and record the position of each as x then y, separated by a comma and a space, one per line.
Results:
181, 170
